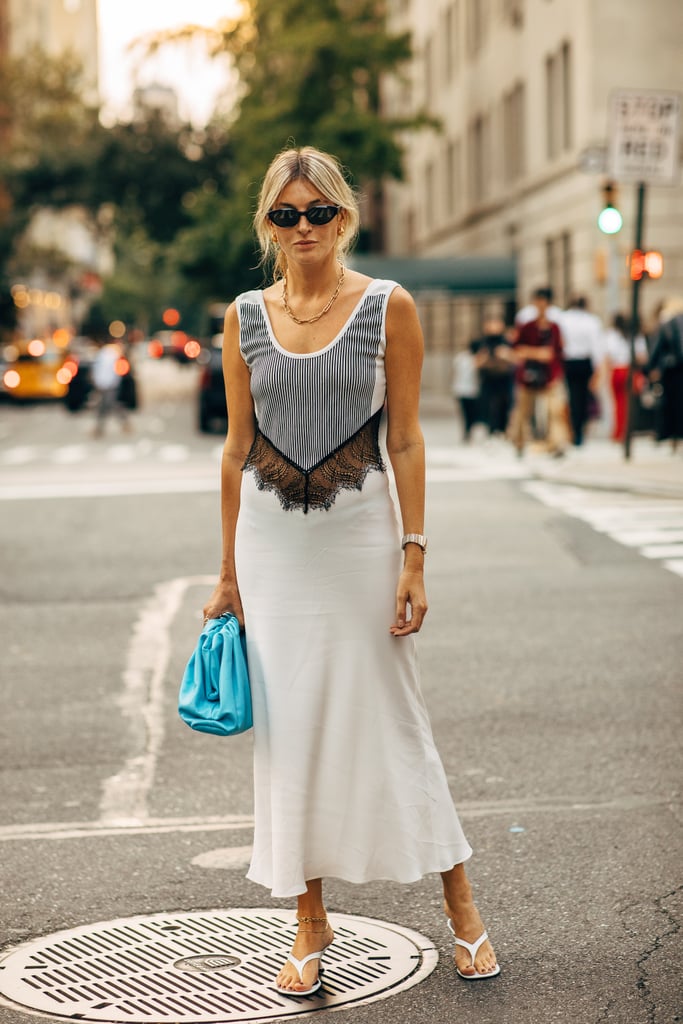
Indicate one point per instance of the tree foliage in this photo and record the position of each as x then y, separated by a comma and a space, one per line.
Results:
178, 202
312, 76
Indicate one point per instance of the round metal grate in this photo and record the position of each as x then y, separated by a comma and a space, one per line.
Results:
205, 966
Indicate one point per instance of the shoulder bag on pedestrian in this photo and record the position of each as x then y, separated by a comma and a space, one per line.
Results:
215, 695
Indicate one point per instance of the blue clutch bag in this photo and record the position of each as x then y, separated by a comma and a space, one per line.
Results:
215, 695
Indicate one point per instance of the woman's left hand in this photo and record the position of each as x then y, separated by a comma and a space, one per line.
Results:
410, 599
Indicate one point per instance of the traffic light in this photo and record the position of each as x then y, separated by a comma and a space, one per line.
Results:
654, 263
645, 264
610, 220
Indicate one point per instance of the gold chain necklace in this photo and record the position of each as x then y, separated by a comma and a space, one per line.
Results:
312, 319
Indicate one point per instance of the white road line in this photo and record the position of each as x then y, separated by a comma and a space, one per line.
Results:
121, 453
655, 530
124, 796
19, 456
174, 453
634, 538
662, 551
471, 474
107, 488
69, 453
240, 822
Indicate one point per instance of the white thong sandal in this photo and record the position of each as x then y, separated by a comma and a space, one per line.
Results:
473, 948
300, 966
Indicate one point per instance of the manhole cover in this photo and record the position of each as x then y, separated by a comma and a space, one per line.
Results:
205, 966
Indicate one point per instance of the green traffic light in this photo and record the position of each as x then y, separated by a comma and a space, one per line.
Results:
610, 220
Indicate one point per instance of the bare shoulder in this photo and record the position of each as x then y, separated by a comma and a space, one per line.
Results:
231, 317
403, 323
401, 305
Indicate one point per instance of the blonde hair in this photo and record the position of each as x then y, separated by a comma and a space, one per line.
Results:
324, 172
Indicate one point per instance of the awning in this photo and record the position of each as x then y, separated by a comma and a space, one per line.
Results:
476, 275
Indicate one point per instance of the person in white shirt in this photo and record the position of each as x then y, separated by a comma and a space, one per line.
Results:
106, 378
582, 338
616, 361
527, 313
466, 387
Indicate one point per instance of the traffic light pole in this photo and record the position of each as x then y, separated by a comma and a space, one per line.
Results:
635, 301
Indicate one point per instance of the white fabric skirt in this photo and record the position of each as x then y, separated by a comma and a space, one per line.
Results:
347, 780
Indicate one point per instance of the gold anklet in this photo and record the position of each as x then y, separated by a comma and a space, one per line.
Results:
311, 920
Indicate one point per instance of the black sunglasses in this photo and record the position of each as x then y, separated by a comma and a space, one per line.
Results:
288, 217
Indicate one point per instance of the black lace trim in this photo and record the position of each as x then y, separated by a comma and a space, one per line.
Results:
344, 469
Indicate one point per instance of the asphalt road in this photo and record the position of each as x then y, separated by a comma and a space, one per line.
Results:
551, 664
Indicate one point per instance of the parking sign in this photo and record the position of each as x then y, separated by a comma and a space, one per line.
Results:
644, 136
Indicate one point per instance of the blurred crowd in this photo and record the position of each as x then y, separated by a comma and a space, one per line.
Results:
547, 376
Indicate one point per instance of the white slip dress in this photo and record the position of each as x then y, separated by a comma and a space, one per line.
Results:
347, 779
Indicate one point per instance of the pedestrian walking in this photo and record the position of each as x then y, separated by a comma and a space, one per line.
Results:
107, 371
615, 365
494, 359
527, 313
348, 782
466, 388
582, 353
666, 367
538, 379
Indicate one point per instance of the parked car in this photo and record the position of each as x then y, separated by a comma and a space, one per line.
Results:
34, 370
212, 407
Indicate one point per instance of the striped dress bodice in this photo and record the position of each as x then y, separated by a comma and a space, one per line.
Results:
317, 414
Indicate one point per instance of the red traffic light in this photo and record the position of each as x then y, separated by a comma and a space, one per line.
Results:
645, 264
654, 263
637, 265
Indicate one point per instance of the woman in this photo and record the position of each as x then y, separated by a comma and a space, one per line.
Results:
348, 783
616, 363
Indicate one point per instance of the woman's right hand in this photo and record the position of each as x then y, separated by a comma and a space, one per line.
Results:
225, 598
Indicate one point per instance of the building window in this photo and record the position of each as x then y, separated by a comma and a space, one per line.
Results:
453, 179
479, 158
451, 40
558, 88
514, 133
476, 21
513, 12
429, 196
566, 79
409, 230
428, 57
558, 258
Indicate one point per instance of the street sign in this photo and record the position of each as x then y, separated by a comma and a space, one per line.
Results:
644, 136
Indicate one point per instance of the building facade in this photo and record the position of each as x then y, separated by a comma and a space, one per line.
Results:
521, 89
56, 27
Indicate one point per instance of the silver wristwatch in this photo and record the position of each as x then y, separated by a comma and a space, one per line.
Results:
414, 538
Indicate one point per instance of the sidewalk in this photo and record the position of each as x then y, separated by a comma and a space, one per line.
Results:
653, 468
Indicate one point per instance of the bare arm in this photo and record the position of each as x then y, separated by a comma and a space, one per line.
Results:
405, 446
241, 431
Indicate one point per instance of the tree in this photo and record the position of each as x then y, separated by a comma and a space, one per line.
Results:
136, 183
308, 75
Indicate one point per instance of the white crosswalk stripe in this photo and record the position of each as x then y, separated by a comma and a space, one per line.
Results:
19, 455
654, 529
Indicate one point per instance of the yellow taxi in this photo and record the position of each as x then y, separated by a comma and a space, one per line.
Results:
34, 369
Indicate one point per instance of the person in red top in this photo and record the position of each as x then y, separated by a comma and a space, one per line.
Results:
538, 354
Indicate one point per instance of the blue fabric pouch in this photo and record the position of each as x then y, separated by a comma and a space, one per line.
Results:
215, 695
